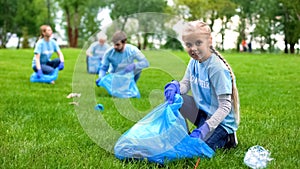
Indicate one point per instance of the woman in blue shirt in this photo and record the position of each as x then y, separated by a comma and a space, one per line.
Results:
44, 48
214, 106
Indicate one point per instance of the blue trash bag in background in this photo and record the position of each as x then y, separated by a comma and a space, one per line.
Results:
45, 78
120, 85
93, 64
160, 137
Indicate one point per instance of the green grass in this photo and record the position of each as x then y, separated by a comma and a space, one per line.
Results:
40, 129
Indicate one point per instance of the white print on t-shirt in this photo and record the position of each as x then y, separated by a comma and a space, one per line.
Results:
48, 52
202, 83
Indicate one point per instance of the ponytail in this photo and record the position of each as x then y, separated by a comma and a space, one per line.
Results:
235, 95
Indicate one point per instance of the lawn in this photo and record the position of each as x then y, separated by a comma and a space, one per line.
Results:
39, 128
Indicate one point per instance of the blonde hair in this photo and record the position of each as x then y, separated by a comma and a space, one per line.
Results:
203, 28
235, 94
199, 26
43, 29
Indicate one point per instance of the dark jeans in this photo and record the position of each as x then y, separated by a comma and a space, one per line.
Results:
189, 110
137, 76
218, 139
49, 67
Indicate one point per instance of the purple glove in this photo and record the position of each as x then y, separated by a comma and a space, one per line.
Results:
39, 73
130, 68
61, 66
200, 132
170, 90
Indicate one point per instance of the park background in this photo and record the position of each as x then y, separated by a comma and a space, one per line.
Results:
269, 25
39, 129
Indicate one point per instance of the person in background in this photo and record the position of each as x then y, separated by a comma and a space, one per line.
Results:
44, 48
244, 45
214, 106
97, 49
123, 57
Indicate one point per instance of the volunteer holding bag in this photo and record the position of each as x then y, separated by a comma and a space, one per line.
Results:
122, 57
214, 106
45, 47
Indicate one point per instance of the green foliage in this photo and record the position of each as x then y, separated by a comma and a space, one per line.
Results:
25, 43
80, 18
7, 13
129, 7
122, 12
23, 14
192, 9
173, 43
40, 129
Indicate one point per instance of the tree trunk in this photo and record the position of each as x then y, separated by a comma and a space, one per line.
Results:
286, 50
72, 30
292, 48
76, 24
145, 41
19, 40
69, 29
139, 42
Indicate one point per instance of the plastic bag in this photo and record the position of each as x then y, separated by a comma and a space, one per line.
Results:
45, 78
120, 85
93, 64
161, 136
257, 157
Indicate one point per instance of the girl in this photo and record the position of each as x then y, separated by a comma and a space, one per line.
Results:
43, 51
214, 107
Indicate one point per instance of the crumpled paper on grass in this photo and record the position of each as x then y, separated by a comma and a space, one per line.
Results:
257, 157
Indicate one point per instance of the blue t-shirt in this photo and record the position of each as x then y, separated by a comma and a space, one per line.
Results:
45, 49
119, 60
208, 80
98, 50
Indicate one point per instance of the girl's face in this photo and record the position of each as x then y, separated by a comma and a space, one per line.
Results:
198, 45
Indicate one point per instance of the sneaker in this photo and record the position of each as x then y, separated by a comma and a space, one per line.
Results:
232, 141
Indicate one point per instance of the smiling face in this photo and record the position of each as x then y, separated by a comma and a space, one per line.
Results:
197, 40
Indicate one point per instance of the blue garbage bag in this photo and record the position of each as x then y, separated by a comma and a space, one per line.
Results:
45, 78
121, 85
93, 64
160, 137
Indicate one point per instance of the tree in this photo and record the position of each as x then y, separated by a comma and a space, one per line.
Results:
291, 22
7, 13
223, 10
22, 17
207, 10
266, 23
30, 15
192, 9
75, 12
89, 21
121, 11
272, 17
